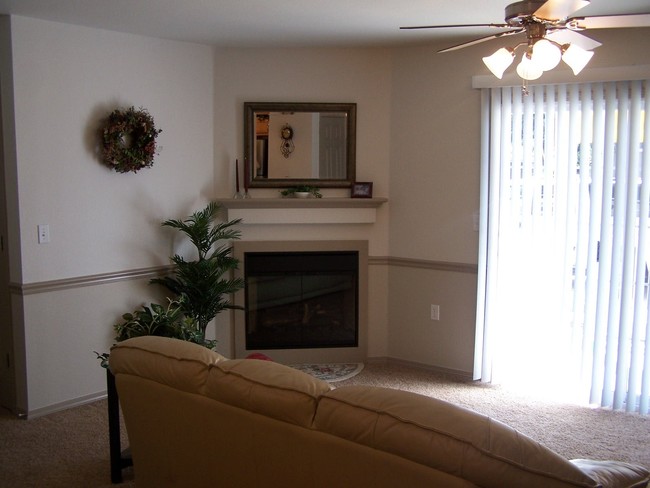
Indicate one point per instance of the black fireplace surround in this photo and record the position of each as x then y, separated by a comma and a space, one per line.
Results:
296, 300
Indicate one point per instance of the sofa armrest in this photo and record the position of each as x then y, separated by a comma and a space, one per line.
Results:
459, 441
173, 362
614, 474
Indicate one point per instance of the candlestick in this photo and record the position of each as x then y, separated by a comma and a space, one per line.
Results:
237, 193
237, 174
246, 173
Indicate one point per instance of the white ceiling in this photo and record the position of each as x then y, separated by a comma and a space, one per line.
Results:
285, 23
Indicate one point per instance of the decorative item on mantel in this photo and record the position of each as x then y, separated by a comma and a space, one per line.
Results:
237, 194
361, 189
302, 191
129, 140
246, 178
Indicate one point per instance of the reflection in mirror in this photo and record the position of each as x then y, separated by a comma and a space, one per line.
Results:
290, 144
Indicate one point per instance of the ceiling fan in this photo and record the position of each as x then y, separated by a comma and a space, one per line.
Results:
551, 35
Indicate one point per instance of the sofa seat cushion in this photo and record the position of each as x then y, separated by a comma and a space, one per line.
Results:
173, 362
446, 437
267, 388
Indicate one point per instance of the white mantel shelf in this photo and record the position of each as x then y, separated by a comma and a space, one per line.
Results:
303, 210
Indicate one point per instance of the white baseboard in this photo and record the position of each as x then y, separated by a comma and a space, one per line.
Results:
57, 407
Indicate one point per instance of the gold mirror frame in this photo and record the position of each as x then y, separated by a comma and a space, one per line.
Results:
251, 108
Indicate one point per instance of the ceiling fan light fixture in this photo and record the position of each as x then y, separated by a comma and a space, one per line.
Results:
576, 57
551, 36
498, 62
528, 70
546, 54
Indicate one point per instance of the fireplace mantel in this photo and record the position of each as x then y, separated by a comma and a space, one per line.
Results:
303, 210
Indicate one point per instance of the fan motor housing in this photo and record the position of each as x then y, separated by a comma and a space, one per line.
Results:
520, 13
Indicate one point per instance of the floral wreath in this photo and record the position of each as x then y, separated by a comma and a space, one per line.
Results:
129, 140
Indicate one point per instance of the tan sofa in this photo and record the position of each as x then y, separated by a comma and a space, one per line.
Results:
195, 419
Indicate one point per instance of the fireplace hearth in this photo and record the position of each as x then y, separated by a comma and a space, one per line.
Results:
304, 301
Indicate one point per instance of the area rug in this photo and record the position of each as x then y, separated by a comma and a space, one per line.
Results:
330, 372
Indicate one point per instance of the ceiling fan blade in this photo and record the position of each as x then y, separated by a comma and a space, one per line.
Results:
559, 9
501, 26
566, 36
481, 39
611, 21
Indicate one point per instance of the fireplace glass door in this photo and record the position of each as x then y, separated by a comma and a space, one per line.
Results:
301, 299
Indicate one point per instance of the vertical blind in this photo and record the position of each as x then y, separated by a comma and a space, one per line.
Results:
564, 252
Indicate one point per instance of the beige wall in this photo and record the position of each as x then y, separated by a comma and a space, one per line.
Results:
446, 344
417, 140
65, 80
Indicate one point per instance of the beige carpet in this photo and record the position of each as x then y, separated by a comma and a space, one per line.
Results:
62, 450
70, 449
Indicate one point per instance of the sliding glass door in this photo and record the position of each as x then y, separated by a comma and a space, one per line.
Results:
563, 282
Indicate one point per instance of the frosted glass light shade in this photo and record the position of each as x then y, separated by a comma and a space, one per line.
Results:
498, 62
576, 57
546, 55
527, 69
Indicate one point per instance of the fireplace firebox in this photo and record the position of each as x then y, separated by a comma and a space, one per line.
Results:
301, 299
304, 301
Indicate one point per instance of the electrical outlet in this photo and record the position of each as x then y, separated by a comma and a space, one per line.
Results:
435, 312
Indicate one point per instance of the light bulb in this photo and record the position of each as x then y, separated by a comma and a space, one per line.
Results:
546, 55
498, 62
527, 69
576, 57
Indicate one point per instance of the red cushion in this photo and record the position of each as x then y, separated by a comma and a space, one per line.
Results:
259, 355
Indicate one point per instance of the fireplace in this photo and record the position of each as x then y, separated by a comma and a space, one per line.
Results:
303, 301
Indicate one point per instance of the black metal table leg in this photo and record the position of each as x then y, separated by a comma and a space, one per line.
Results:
119, 459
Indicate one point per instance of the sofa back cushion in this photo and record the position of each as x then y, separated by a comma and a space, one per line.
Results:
267, 388
444, 436
173, 362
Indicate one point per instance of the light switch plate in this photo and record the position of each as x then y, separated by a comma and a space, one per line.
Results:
43, 233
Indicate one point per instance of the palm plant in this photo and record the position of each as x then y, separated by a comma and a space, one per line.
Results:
204, 285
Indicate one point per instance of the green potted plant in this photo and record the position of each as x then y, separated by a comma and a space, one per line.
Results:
203, 285
169, 321
302, 191
158, 320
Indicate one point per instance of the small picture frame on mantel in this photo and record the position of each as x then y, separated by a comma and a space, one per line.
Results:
361, 189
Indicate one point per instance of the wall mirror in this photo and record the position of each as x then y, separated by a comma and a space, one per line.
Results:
291, 144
